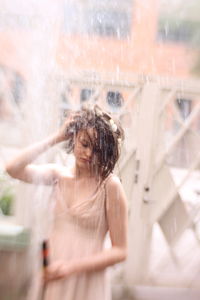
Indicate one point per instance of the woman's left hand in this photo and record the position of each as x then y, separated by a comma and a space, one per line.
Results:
58, 270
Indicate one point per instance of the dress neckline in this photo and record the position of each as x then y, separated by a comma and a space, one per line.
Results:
100, 187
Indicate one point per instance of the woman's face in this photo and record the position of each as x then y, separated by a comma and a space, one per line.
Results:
83, 148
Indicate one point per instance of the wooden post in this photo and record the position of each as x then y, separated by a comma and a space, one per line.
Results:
140, 228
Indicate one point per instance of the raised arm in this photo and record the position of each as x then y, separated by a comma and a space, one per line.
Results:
21, 167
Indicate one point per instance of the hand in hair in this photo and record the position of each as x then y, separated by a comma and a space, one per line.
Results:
63, 133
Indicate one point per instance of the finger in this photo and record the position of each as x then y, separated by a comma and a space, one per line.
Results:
54, 267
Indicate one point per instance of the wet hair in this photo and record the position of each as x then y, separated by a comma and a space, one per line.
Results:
106, 143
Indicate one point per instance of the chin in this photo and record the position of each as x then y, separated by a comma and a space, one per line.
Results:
83, 164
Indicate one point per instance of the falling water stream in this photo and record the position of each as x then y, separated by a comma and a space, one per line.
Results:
39, 116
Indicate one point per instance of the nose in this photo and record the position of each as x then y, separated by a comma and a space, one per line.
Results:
88, 152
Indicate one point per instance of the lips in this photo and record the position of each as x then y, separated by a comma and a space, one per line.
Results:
85, 160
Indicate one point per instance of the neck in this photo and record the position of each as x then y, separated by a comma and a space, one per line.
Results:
82, 173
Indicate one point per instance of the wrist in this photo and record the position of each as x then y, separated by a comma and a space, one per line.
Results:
74, 267
57, 138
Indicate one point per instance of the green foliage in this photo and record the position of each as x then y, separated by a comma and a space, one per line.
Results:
6, 195
6, 201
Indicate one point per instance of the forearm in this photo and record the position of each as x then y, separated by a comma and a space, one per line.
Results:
100, 261
29, 154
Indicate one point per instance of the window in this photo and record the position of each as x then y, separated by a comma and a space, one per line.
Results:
184, 106
179, 31
65, 104
18, 88
100, 18
179, 22
115, 100
110, 23
65, 96
86, 95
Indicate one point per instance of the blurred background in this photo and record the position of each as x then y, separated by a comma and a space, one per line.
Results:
140, 60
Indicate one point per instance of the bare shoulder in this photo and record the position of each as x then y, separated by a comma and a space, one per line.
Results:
114, 189
60, 170
113, 182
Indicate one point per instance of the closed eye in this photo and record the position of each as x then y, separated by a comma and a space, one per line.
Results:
85, 145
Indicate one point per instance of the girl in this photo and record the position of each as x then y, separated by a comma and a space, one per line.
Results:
89, 202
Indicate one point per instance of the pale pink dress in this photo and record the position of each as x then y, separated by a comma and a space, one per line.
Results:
79, 231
